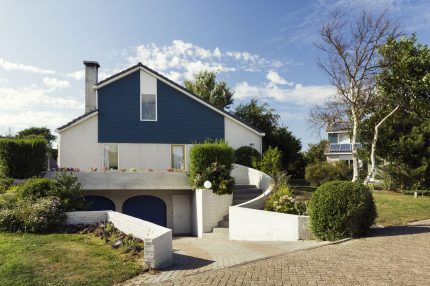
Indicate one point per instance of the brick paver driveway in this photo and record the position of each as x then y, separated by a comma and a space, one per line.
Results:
392, 256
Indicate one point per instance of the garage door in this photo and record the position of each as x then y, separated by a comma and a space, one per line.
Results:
148, 208
98, 203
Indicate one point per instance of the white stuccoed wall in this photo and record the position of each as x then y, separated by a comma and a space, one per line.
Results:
259, 225
78, 146
157, 239
237, 135
209, 209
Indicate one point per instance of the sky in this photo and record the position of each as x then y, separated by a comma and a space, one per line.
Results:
262, 49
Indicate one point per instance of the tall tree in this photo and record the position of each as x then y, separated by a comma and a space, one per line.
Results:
404, 89
351, 61
205, 85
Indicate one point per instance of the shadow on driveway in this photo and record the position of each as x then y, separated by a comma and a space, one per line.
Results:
400, 230
186, 262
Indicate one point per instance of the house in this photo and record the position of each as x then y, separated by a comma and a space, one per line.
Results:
132, 143
339, 147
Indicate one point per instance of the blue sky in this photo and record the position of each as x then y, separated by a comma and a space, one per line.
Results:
263, 49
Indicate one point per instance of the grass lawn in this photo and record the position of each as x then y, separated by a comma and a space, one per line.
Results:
399, 209
61, 259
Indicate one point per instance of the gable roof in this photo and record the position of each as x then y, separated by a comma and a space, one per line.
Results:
179, 87
78, 120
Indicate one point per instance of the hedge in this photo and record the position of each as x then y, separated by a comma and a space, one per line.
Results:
212, 161
22, 158
321, 172
341, 209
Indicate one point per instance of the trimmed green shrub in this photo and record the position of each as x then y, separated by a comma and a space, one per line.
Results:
321, 172
212, 161
35, 188
270, 162
246, 155
341, 209
22, 158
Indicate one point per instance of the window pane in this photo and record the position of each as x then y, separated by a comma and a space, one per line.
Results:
110, 156
178, 157
149, 103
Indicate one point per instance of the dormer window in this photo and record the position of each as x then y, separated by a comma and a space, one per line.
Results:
148, 107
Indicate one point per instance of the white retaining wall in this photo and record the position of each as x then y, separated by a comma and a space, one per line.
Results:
259, 225
248, 221
209, 209
157, 239
248, 176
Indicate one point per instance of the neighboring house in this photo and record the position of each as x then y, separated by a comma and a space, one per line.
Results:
339, 147
139, 120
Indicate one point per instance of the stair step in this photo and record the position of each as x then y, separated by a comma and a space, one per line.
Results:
247, 191
223, 223
215, 236
238, 187
246, 196
222, 230
226, 217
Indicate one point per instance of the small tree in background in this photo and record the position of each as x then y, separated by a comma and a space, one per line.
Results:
264, 118
205, 85
315, 152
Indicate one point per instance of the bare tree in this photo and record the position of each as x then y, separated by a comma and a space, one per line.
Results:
351, 63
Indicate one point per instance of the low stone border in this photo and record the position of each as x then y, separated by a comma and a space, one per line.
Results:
157, 239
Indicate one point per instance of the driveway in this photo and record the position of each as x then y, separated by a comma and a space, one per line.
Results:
390, 256
193, 255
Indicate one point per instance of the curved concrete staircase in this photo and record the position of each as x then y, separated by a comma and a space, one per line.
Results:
241, 194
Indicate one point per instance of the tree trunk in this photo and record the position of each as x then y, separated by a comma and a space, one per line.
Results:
354, 145
371, 171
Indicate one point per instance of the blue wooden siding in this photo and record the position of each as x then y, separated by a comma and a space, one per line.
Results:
181, 119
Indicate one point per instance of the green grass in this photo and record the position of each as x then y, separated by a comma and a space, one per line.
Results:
61, 259
398, 209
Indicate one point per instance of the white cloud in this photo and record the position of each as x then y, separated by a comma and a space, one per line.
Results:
55, 83
275, 78
4, 80
298, 94
77, 75
28, 118
22, 67
182, 59
33, 99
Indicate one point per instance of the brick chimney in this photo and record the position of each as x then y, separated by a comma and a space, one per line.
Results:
91, 79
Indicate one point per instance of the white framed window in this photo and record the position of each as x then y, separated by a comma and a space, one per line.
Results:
178, 157
110, 156
148, 107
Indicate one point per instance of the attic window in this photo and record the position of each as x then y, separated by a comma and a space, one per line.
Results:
148, 107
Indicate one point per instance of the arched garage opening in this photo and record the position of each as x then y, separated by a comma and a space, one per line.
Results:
148, 208
99, 203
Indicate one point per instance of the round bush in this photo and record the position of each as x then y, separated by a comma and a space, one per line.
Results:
246, 155
341, 209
